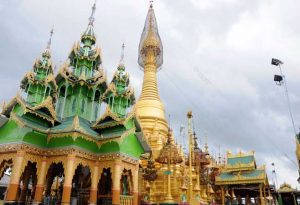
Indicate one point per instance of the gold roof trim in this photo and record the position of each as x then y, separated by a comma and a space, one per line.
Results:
17, 99
108, 113
240, 154
48, 103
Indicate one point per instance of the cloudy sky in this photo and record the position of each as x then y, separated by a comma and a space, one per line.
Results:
217, 57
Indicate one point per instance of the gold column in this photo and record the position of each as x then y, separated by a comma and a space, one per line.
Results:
294, 198
39, 188
169, 197
13, 186
264, 192
248, 200
270, 196
94, 185
190, 115
136, 185
222, 195
262, 201
69, 172
116, 183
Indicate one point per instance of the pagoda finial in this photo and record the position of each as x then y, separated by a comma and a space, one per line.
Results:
50, 39
47, 52
206, 144
122, 53
92, 18
151, 3
89, 32
150, 47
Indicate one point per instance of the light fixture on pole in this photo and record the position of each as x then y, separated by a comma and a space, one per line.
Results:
281, 80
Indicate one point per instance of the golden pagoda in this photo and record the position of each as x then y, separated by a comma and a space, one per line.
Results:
149, 108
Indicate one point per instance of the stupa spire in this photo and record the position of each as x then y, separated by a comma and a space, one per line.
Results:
149, 108
150, 47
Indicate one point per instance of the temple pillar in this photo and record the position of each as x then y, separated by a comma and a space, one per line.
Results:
264, 193
13, 186
39, 188
294, 198
136, 185
248, 200
116, 183
222, 196
270, 196
262, 201
94, 184
69, 172
239, 199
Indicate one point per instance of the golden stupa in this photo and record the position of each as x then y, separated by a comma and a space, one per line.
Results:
149, 108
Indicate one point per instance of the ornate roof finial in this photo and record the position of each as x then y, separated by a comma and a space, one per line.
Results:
121, 66
50, 39
151, 3
150, 47
122, 53
47, 53
89, 32
206, 144
92, 18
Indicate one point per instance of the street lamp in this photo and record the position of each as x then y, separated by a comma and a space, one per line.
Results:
281, 80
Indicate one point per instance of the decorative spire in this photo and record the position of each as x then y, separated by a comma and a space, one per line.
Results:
47, 53
150, 48
89, 32
206, 145
121, 63
196, 147
50, 39
92, 18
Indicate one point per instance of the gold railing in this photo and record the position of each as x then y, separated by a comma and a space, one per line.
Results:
126, 200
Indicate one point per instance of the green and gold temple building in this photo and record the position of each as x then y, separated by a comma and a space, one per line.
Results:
72, 137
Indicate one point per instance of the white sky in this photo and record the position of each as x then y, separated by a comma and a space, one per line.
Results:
217, 57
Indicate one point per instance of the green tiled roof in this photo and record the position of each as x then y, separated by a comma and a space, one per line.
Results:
251, 174
243, 177
32, 124
240, 160
85, 128
67, 126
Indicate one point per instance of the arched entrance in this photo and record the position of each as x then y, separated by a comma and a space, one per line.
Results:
81, 185
126, 187
126, 182
104, 188
28, 182
54, 184
5, 173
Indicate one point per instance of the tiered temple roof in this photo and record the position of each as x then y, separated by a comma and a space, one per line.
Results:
241, 169
65, 111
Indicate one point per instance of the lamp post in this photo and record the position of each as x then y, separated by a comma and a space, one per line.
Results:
281, 80
275, 181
